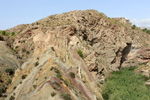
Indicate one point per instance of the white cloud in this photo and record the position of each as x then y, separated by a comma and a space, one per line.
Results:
142, 22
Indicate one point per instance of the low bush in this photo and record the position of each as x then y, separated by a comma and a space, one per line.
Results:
34, 86
51, 68
12, 98
80, 54
27, 52
72, 74
23, 50
66, 96
3, 32
36, 64
59, 75
53, 94
134, 26
13, 33
14, 87
24, 76
10, 71
146, 30
9, 81
56, 70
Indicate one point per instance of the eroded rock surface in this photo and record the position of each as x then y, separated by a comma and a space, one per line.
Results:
8, 64
106, 43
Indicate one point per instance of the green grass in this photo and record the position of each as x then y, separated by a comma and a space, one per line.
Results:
125, 85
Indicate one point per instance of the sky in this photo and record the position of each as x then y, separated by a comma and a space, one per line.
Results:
15, 12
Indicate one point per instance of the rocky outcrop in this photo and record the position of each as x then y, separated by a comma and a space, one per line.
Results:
107, 45
144, 55
8, 63
7, 57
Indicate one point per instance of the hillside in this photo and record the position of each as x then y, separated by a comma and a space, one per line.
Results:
68, 56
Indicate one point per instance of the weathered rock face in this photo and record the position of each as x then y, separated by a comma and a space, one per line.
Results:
7, 57
54, 43
8, 63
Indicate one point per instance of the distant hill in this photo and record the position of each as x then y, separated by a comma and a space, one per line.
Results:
142, 27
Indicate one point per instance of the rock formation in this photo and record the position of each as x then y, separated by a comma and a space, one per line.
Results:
52, 69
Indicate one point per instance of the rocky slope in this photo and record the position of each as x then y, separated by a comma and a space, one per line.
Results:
68, 56
8, 63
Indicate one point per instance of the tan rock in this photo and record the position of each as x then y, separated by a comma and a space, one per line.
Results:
107, 45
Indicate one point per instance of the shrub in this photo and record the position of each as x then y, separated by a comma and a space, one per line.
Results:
13, 33
66, 96
37, 63
134, 26
23, 41
3, 32
72, 74
23, 50
9, 81
59, 75
34, 86
125, 85
24, 76
16, 47
21, 82
56, 70
56, 85
12, 98
10, 71
37, 23
53, 94
51, 68
144, 63
14, 88
28, 52
146, 30
80, 54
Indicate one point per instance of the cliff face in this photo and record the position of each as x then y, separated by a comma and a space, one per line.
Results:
69, 55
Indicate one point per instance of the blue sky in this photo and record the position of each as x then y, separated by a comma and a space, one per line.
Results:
14, 12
